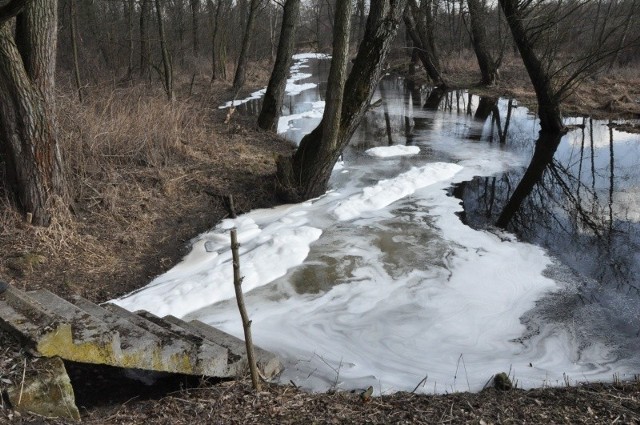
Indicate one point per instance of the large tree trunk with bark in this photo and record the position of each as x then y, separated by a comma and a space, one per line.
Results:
272, 102
305, 175
28, 146
337, 77
548, 99
488, 66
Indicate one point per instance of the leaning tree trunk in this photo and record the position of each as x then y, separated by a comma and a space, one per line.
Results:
423, 45
241, 68
548, 99
488, 66
305, 175
28, 146
272, 102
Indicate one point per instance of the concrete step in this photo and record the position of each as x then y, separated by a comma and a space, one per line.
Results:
93, 341
141, 349
269, 364
39, 329
199, 357
84, 332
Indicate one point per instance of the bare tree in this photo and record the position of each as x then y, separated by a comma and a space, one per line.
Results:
195, 27
305, 174
241, 68
166, 59
144, 38
32, 159
488, 65
417, 20
272, 102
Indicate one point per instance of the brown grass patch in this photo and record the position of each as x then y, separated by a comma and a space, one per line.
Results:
138, 169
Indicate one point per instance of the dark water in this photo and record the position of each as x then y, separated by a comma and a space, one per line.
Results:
584, 208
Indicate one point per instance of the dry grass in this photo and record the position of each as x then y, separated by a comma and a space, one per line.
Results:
138, 169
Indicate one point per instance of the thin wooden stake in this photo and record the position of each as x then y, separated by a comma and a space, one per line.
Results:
246, 323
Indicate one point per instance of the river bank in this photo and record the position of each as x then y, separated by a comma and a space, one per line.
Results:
151, 207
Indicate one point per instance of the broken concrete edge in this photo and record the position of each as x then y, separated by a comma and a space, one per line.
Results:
45, 391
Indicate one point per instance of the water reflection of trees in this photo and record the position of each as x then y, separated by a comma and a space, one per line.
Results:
557, 203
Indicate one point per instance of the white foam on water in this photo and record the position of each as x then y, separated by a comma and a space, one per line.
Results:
379, 283
314, 113
392, 151
388, 191
292, 88
269, 247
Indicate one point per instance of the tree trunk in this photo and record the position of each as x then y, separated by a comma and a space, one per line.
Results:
195, 11
337, 77
74, 47
144, 38
305, 175
37, 41
548, 101
423, 46
28, 146
272, 102
241, 69
130, 26
166, 60
487, 64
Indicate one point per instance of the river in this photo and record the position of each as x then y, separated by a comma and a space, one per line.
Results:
396, 278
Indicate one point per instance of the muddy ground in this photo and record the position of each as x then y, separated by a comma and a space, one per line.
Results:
134, 211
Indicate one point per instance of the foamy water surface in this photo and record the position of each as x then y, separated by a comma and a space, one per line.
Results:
378, 282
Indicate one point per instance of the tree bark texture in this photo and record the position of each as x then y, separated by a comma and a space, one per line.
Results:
337, 77
488, 66
37, 40
28, 146
548, 100
305, 175
241, 68
272, 102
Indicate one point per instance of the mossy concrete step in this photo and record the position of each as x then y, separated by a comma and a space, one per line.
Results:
200, 357
269, 364
84, 332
